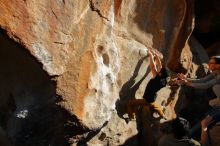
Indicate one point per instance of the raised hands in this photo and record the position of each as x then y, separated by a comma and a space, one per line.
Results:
155, 63
182, 80
181, 76
155, 53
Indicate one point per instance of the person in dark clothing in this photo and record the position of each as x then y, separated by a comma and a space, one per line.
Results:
211, 80
154, 85
214, 113
180, 131
158, 81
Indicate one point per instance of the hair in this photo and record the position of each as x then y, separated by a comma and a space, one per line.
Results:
180, 127
164, 72
216, 58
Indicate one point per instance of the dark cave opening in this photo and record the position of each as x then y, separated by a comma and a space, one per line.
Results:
27, 96
29, 110
207, 25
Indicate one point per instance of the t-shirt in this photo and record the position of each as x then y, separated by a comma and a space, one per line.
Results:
153, 86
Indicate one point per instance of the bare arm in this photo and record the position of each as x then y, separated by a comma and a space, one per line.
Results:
201, 80
204, 85
152, 64
158, 63
204, 123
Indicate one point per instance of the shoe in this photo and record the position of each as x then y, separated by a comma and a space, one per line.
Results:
156, 115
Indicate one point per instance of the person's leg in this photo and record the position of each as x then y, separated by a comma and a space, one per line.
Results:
157, 109
216, 116
214, 102
215, 113
146, 130
132, 106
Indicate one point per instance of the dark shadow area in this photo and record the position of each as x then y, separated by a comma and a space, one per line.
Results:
129, 89
90, 135
127, 93
30, 115
207, 25
172, 94
207, 38
140, 139
195, 105
188, 111
133, 141
26, 93
148, 129
195, 100
207, 32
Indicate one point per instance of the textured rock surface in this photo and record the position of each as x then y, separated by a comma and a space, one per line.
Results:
84, 61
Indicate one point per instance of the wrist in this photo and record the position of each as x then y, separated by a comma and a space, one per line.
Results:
188, 83
204, 129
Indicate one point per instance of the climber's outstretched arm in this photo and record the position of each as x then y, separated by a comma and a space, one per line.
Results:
152, 64
158, 63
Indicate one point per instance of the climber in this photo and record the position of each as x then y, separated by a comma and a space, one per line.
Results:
211, 80
158, 81
180, 130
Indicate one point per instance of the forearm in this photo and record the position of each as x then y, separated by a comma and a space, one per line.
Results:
152, 66
158, 64
204, 133
202, 80
204, 85
204, 136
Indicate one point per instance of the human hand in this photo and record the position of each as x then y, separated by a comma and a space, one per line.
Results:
159, 54
173, 82
152, 55
181, 76
181, 82
149, 51
156, 53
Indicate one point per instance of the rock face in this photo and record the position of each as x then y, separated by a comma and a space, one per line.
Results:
70, 66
